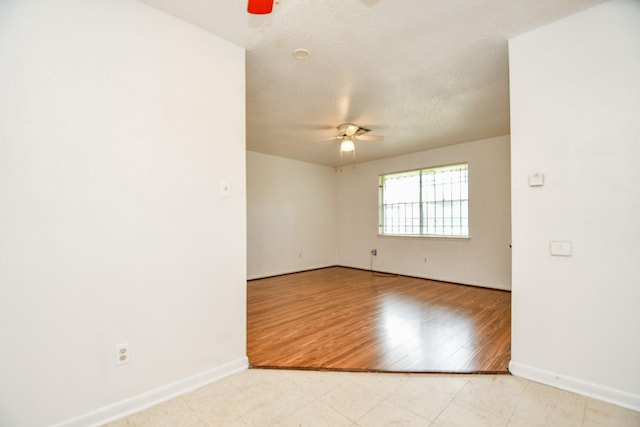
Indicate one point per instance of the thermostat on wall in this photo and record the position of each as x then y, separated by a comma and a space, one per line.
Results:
536, 179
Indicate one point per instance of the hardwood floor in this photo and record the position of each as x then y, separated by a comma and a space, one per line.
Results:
348, 319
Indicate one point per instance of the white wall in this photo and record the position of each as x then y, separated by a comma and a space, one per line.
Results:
483, 260
575, 106
291, 215
117, 124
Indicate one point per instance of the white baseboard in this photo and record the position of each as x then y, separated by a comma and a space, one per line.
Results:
274, 273
367, 268
153, 397
431, 277
600, 392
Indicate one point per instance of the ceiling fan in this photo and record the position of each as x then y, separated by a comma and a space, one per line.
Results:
348, 133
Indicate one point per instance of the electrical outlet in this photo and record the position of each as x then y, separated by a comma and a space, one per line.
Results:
374, 252
122, 354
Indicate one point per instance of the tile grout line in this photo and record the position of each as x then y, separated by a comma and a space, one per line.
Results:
384, 400
515, 409
584, 412
451, 401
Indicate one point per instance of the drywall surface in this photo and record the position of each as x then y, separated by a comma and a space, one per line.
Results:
483, 260
117, 125
575, 100
291, 215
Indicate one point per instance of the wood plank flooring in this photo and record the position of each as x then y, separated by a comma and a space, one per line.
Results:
347, 319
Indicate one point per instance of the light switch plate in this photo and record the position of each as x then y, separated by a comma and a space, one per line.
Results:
536, 179
560, 248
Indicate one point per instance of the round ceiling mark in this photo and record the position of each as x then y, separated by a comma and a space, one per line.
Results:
301, 53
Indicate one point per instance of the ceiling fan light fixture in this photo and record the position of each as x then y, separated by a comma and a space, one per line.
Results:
347, 145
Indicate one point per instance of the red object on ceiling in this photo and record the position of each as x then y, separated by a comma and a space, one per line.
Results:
260, 7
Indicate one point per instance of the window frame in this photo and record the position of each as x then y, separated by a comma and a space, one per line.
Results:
420, 171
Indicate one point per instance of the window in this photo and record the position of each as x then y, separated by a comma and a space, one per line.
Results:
425, 202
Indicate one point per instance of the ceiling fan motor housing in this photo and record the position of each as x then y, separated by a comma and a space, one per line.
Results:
349, 130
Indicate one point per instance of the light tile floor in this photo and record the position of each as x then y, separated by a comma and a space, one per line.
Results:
278, 398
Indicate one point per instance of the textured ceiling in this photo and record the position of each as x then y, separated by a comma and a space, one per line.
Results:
423, 73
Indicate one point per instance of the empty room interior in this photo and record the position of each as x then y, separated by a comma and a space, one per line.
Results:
291, 213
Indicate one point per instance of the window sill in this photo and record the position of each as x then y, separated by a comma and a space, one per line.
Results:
424, 236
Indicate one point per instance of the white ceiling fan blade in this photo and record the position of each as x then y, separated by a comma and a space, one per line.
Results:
333, 138
370, 138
